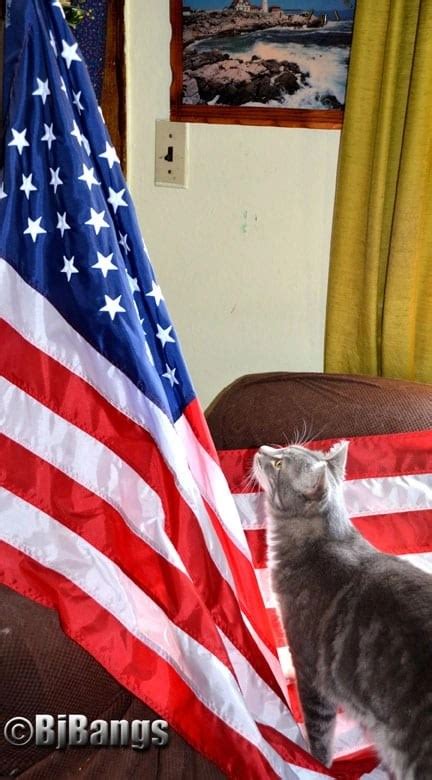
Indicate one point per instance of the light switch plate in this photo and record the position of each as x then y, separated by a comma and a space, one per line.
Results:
172, 152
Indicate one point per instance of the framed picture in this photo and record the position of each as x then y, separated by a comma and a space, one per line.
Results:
260, 62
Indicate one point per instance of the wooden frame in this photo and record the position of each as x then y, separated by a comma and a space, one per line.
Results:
113, 98
326, 118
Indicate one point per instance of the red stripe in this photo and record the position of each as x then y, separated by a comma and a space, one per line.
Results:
246, 584
86, 514
148, 676
386, 455
278, 632
278, 742
45, 379
257, 542
400, 533
195, 417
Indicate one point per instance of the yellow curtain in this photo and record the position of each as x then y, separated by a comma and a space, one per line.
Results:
379, 305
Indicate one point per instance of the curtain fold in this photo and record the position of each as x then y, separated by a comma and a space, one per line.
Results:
379, 304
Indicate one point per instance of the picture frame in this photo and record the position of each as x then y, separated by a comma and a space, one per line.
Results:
262, 66
99, 30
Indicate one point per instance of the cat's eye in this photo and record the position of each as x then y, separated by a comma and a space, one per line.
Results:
277, 464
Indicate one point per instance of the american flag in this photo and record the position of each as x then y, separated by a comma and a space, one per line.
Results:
113, 508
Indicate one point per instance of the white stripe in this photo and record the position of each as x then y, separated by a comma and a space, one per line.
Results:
213, 485
53, 545
251, 508
385, 495
421, 560
271, 658
87, 461
286, 662
264, 582
40, 323
264, 706
363, 497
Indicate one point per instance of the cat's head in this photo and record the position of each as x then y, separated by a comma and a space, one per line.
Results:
296, 479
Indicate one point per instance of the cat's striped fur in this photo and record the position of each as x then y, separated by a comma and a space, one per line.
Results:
359, 622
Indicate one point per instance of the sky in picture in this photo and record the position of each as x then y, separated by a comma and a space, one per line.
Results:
305, 5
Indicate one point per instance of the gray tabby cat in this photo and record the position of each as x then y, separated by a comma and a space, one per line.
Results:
359, 622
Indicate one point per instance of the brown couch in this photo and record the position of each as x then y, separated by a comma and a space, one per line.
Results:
44, 671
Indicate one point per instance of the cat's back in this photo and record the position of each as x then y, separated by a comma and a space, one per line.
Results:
376, 658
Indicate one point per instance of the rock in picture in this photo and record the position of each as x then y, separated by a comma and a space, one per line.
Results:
255, 53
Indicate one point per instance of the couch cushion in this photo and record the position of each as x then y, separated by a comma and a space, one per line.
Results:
274, 407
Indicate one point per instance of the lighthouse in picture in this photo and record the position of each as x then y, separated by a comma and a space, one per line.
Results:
264, 6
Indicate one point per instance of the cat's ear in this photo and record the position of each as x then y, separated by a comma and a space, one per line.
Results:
337, 458
316, 482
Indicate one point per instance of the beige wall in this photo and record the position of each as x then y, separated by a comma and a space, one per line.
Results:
242, 255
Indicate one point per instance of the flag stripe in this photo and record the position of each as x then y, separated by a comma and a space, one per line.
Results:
396, 532
383, 455
222, 510
24, 526
408, 493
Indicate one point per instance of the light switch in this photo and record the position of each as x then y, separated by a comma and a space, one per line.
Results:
171, 156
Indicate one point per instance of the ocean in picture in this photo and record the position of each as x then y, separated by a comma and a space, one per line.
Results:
258, 54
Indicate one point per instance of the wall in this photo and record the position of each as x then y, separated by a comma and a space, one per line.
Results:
242, 255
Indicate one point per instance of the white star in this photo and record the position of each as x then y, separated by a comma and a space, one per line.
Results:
104, 264
52, 42
63, 85
70, 53
55, 178
77, 101
97, 220
58, 4
110, 154
133, 283
169, 374
3, 194
101, 113
62, 225
19, 139
155, 293
123, 242
27, 185
49, 136
43, 90
34, 228
89, 177
69, 267
164, 335
82, 140
76, 132
116, 199
112, 306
